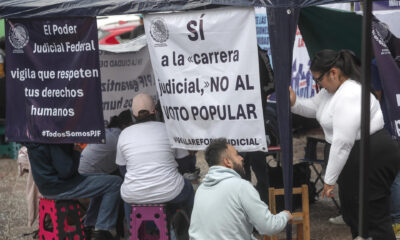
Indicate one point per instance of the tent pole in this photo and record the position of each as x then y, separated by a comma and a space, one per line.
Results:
282, 25
366, 48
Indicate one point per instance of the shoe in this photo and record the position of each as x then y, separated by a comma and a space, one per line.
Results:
337, 220
396, 229
192, 176
88, 231
103, 235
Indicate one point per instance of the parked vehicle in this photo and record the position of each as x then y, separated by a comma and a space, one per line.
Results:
116, 33
107, 20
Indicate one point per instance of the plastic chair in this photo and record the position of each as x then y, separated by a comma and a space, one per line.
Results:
142, 213
61, 213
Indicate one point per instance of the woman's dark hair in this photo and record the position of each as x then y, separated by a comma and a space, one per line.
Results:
123, 120
345, 60
113, 122
145, 116
214, 150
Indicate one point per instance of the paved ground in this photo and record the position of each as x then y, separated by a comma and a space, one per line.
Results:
13, 210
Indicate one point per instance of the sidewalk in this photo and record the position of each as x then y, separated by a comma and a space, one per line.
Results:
13, 211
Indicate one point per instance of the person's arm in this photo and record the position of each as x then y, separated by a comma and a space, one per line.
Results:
122, 171
378, 95
346, 124
120, 161
306, 107
258, 213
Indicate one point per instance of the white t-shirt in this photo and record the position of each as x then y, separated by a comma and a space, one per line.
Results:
152, 175
340, 117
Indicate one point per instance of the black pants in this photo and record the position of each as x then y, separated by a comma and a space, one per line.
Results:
383, 167
260, 168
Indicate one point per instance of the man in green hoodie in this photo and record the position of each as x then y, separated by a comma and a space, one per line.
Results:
227, 206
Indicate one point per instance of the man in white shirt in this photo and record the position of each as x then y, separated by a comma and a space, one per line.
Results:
227, 206
151, 170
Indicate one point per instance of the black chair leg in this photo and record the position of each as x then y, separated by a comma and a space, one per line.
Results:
317, 179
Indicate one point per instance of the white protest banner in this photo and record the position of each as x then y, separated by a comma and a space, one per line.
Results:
123, 75
302, 81
206, 68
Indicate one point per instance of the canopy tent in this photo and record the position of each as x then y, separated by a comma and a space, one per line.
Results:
57, 8
282, 18
323, 28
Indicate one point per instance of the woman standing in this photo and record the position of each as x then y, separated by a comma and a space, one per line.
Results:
337, 107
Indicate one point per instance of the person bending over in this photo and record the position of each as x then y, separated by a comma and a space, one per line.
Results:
337, 107
227, 206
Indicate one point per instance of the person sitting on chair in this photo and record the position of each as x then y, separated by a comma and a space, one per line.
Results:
145, 153
55, 172
227, 206
100, 158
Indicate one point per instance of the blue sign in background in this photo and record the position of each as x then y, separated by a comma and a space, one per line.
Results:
262, 30
53, 81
